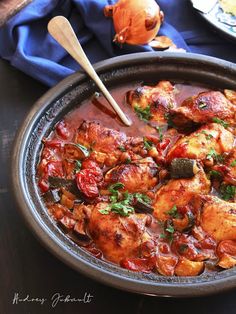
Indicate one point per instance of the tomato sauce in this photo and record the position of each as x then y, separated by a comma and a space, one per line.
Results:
196, 246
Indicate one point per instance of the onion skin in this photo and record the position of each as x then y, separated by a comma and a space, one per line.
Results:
136, 22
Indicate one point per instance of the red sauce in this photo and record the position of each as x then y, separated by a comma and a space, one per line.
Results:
169, 248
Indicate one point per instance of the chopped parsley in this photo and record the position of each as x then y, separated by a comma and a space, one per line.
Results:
142, 198
202, 105
173, 212
170, 229
127, 161
122, 204
227, 192
121, 208
169, 120
77, 166
143, 113
233, 164
208, 136
83, 149
212, 154
214, 173
105, 211
183, 247
159, 130
168, 232
147, 144
113, 189
221, 122
122, 148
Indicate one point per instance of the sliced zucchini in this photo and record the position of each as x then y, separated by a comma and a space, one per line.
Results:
183, 168
142, 207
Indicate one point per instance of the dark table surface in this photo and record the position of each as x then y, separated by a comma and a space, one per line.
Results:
27, 268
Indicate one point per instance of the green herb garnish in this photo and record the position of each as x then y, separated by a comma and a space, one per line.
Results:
147, 144
183, 247
122, 209
170, 229
221, 122
168, 232
173, 212
105, 211
122, 148
127, 161
159, 130
212, 154
78, 165
113, 189
233, 164
208, 136
142, 198
227, 192
83, 149
202, 105
122, 204
169, 120
214, 173
143, 113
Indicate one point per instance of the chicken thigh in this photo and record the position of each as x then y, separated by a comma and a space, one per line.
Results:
207, 142
153, 103
203, 108
117, 237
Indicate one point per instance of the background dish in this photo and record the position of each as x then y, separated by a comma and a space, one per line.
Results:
223, 22
53, 106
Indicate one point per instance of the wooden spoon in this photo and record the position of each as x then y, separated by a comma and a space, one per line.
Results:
60, 29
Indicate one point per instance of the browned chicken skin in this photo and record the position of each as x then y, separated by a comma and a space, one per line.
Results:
139, 176
179, 192
159, 98
117, 237
102, 141
204, 108
205, 143
218, 218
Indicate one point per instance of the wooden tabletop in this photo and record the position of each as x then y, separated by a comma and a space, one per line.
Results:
28, 271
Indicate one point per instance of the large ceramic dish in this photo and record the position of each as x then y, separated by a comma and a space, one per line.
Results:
52, 107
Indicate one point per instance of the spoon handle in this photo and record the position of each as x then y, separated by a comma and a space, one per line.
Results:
60, 29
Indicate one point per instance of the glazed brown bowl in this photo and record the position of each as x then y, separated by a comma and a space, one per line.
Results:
61, 99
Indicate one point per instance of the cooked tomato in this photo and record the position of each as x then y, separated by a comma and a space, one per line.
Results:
87, 180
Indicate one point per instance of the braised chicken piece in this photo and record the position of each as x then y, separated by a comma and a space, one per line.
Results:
218, 218
230, 95
103, 142
153, 103
206, 144
117, 237
178, 192
226, 251
139, 176
204, 107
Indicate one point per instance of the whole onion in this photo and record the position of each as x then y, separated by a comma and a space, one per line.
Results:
136, 22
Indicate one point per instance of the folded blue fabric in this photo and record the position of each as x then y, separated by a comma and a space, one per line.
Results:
25, 42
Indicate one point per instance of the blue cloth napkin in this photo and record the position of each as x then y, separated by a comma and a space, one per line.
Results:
25, 42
